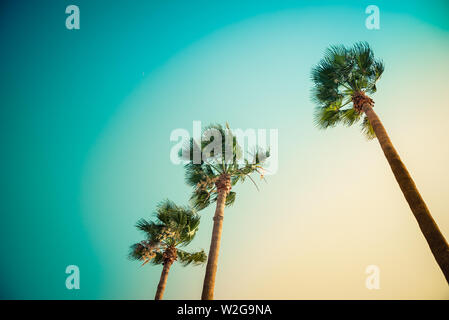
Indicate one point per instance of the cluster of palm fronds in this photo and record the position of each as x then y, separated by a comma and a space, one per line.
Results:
174, 226
344, 73
226, 159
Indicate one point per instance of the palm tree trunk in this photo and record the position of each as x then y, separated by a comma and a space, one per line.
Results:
429, 228
163, 281
212, 261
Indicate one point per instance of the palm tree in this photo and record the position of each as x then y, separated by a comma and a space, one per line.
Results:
175, 226
212, 176
342, 81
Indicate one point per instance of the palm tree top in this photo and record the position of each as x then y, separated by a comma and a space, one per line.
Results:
204, 170
343, 81
174, 226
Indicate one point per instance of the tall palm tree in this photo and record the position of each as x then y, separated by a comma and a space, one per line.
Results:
174, 227
343, 79
212, 176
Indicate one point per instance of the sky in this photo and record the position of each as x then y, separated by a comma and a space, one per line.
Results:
86, 117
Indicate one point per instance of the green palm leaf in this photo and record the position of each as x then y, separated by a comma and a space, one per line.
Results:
196, 258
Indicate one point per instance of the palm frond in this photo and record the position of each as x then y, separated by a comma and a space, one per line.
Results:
364, 57
135, 252
201, 199
196, 258
350, 116
327, 117
230, 199
150, 228
158, 259
367, 129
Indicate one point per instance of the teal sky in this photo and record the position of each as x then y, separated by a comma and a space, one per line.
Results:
86, 117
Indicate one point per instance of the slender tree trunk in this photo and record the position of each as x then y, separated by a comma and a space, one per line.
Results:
429, 228
163, 281
212, 261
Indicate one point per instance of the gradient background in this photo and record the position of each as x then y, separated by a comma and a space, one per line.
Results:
86, 117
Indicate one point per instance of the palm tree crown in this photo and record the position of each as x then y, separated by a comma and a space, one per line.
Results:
341, 81
175, 226
220, 167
